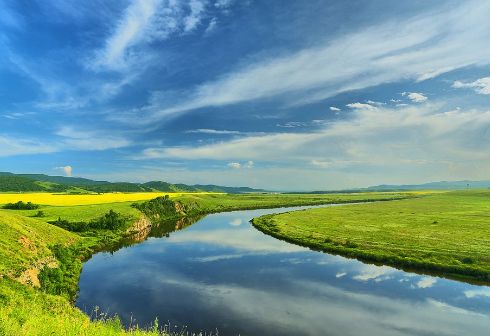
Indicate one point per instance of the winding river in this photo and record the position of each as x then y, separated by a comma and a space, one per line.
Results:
222, 275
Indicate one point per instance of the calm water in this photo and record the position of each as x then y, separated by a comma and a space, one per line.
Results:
221, 273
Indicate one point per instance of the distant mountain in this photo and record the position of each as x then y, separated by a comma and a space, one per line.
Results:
10, 182
442, 185
56, 179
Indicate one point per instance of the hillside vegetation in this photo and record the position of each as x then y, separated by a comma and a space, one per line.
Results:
10, 182
446, 233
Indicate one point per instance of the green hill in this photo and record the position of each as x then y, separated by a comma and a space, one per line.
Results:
10, 182
18, 183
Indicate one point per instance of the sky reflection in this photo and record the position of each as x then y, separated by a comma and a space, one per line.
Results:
215, 274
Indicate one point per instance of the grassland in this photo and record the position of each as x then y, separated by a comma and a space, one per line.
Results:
212, 203
26, 249
446, 233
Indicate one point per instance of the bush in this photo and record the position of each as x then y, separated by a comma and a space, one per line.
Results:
110, 221
160, 208
39, 214
64, 279
21, 206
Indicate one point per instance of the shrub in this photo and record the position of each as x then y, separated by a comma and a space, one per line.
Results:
39, 214
21, 206
110, 221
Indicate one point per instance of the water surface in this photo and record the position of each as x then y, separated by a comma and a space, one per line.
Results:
222, 274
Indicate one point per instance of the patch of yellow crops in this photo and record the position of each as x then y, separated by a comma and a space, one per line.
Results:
68, 199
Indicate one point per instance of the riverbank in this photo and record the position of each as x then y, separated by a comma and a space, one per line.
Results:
447, 234
41, 306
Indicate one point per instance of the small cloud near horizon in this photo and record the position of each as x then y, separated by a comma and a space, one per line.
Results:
67, 170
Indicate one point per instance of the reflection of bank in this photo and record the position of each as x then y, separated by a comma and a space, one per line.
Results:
164, 228
157, 230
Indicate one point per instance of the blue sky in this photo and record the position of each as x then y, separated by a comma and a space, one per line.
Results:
272, 94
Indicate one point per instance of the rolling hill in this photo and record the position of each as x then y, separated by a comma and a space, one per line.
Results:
10, 182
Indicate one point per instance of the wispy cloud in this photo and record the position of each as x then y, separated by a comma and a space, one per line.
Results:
89, 140
196, 10
235, 165
390, 139
481, 86
418, 48
12, 146
9, 18
416, 97
213, 131
143, 22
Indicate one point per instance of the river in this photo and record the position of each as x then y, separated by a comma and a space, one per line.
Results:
221, 275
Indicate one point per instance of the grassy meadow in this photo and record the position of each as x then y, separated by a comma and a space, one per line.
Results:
446, 233
35, 254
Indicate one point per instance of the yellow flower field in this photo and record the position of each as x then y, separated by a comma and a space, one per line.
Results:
84, 199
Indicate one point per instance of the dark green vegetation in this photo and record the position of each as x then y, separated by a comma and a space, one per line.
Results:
35, 253
109, 221
21, 206
10, 182
446, 233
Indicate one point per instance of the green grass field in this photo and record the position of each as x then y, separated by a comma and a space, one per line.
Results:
211, 203
25, 243
446, 233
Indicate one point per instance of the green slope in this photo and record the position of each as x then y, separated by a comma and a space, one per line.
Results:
447, 233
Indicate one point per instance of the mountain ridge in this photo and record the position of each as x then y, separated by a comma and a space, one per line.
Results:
11, 182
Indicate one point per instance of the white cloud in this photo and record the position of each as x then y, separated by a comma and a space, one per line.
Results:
211, 26
143, 22
192, 20
417, 48
130, 30
340, 275
240, 240
481, 86
376, 273
371, 102
223, 3
322, 164
236, 222
11, 146
89, 140
378, 144
235, 165
361, 106
212, 131
426, 282
474, 293
416, 97
68, 170
335, 109
238, 165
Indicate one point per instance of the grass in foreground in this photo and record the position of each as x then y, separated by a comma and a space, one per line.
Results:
448, 234
26, 254
26, 311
